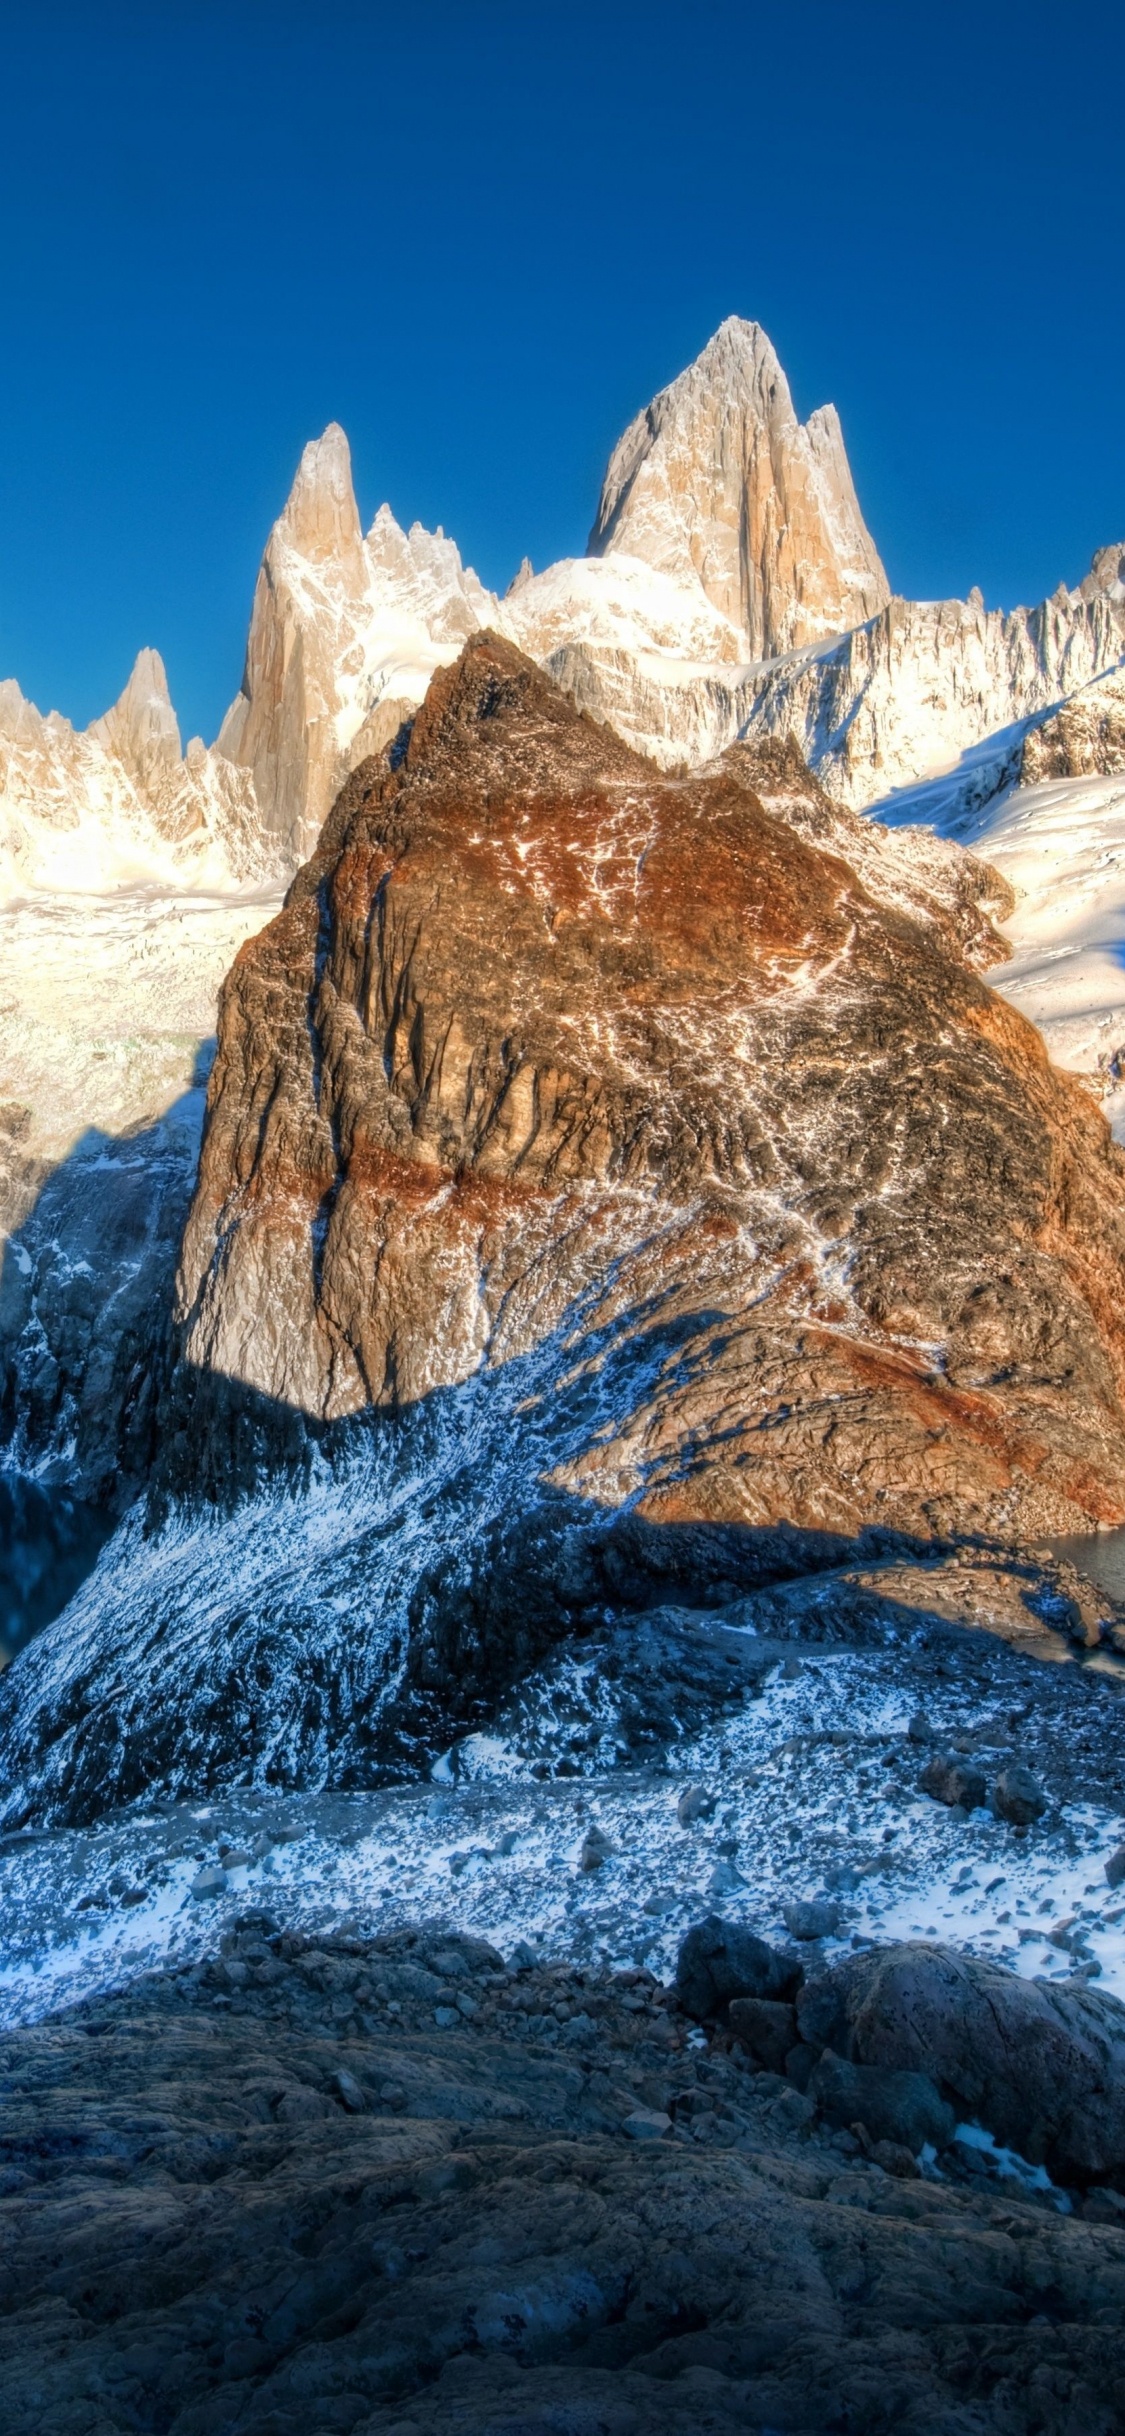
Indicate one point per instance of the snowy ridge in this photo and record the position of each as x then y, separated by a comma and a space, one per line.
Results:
116, 806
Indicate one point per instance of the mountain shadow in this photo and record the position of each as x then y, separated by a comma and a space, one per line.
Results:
343, 1622
86, 1285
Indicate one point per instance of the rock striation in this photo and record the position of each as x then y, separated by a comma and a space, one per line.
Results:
717, 480
539, 1029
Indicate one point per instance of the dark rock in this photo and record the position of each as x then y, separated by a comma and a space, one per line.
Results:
894, 2159
1115, 1866
718, 1960
1041, 2066
347, 2089
800, 2064
815, 1918
694, 1804
766, 2029
1017, 1797
196, 2239
955, 1781
902, 2107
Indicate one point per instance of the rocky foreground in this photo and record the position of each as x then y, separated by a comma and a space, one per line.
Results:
403, 2186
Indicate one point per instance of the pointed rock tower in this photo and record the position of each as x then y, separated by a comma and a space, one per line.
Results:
718, 479
307, 604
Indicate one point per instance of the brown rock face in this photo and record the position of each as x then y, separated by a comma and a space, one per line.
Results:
548, 1049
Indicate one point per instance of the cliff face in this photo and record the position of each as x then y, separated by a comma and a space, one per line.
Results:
718, 480
545, 1043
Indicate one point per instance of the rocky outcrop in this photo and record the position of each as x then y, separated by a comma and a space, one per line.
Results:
1043, 2068
912, 869
1084, 738
717, 480
345, 633
541, 1033
254, 2185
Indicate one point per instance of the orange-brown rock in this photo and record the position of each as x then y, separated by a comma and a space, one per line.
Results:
549, 1049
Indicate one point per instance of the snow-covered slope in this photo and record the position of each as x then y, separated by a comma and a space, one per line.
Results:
1044, 803
130, 874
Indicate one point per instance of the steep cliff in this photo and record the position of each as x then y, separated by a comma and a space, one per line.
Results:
925, 681
718, 480
537, 1023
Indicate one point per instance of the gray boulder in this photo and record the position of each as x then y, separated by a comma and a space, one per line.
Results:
904, 2107
1017, 1797
718, 1960
766, 2029
813, 1918
1041, 2066
947, 1778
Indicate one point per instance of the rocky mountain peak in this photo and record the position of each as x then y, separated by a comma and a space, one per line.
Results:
718, 479
1107, 573
320, 519
514, 1095
141, 728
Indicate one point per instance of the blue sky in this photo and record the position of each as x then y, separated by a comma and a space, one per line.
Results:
481, 235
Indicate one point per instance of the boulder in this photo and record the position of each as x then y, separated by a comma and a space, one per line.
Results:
904, 2108
816, 1918
718, 1960
1041, 2066
1017, 1797
947, 1778
767, 2030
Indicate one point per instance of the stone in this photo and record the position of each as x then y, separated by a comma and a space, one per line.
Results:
1115, 1867
766, 2029
956, 1782
351, 2096
362, 1066
208, 1883
595, 1850
1018, 1797
895, 2159
719, 1960
904, 2108
814, 1918
647, 2123
694, 1804
1040, 2065
717, 480
787, 2283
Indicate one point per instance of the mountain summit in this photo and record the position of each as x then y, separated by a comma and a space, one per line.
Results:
718, 479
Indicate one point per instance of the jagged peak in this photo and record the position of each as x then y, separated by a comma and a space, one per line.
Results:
717, 480
141, 727
320, 519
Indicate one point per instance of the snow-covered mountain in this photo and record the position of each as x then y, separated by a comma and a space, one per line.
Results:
731, 594
718, 481
119, 804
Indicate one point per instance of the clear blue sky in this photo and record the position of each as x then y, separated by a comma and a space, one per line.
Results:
481, 235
